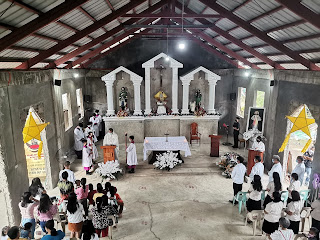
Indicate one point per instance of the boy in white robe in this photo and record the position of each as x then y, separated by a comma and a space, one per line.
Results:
86, 157
132, 159
88, 129
92, 146
95, 124
111, 139
78, 136
98, 116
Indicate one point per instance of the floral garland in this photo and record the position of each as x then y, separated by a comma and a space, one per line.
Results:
110, 169
167, 161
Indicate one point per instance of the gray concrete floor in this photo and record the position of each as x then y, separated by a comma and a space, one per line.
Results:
189, 202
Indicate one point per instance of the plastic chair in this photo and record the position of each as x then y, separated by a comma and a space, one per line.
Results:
256, 216
263, 195
304, 195
305, 214
284, 197
241, 198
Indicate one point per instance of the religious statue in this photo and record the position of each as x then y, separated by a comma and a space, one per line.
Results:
161, 102
198, 100
123, 98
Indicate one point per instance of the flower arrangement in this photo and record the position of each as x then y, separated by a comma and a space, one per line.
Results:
227, 162
110, 169
167, 161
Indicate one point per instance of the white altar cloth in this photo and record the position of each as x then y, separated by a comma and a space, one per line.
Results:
160, 144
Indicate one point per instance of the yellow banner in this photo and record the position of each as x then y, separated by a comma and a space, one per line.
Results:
36, 166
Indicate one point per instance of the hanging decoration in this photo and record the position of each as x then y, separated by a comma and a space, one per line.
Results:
301, 122
32, 130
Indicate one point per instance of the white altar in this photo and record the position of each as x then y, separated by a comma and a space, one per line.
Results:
160, 144
147, 123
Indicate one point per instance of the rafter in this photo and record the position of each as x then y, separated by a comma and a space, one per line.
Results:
237, 42
170, 15
302, 11
241, 5
263, 36
105, 36
83, 33
112, 9
39, 22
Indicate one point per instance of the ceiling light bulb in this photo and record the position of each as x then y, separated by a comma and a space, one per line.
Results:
167, 58
76, 75
181, 46
247, 74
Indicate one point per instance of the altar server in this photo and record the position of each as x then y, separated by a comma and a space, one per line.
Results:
86, 157
98, 116
275, 168
92, 146
78, 136
95, 124
237, 176
132, 159
258, 145
111, 139
88, 129
300, 169
257, 169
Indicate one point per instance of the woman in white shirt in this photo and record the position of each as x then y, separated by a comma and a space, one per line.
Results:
254, 201
283, 233
293, 210
294, 185
88, 231
315, 214
272, 214
75, 216
274, 186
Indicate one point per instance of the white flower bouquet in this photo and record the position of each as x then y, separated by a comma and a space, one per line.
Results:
167, 161
110, 169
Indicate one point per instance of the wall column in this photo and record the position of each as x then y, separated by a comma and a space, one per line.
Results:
109, 85
174, 98
137, 101
147, 109
212, 95
185, 99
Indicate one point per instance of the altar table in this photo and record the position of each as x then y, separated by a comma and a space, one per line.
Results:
160, 144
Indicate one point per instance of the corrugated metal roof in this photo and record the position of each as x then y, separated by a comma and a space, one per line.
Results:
76, 20
280, 58
196, 6
35, 42
313, 5
112, 25
43, 6
293, 66
55, 30
97, 33
302, 45
244, 53
267, 50
17, 54
253, 41
265, 66
40, 65
240, 33
9, 65
97, 8
225, 24
222, 40
230, 4
315, 55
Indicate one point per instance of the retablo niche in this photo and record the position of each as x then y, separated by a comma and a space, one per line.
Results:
161, 103
123, 103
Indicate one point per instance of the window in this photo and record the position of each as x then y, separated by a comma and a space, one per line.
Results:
259, 99
80, 102
241, 101
67, 114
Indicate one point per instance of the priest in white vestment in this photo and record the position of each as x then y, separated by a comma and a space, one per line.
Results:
78, 137
86, 157
258, 145
95, 124
88, 129
132, 159
111, 139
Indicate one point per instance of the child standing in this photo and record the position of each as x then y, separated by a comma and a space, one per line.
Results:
132, 155
86, 157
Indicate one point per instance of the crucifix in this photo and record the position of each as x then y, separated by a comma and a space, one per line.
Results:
161, 68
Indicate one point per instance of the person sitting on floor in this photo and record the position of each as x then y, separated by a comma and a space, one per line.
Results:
88, 231
254, 201
53, 234
272, 214
294, 185
274, 186
293, 212
283, 233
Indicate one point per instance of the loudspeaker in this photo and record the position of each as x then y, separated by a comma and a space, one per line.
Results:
57, 82
233, 96
272, 83
87, 98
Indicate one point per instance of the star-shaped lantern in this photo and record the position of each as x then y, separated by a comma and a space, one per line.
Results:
302, 122
32, 130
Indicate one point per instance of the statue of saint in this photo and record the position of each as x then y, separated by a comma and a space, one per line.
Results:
161, 103
198, 96
123, 98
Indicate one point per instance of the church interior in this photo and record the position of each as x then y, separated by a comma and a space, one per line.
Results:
180, 97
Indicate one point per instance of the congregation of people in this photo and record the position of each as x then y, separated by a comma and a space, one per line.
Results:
281, 216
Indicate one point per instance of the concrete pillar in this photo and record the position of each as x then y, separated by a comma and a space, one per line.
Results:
137, 101
109, 86
212, 95
175, 109
147, 109
185, 99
